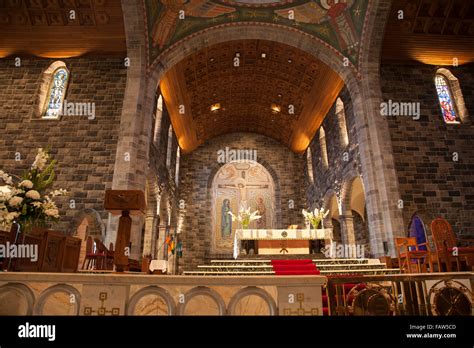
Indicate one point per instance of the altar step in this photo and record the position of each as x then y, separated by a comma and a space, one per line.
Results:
264, 267
319, 262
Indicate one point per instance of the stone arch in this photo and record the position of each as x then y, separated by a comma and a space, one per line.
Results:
363, 85
330, 201
426, 216
151, 290
202, 291
87, 223
455, 88
270, 170
249, 31
23, 294
354, 211
252, 290
58, 288
346, 217
328, 198
346, 190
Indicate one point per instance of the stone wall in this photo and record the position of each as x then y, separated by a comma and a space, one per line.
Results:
344, 166
198, 169
343, 160
430, 181
84, 148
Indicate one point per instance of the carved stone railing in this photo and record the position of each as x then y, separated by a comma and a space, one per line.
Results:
126, 294
402, 294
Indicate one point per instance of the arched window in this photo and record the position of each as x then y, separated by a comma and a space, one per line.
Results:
178, 157
341, 118
309, 163
446, 101
158, 116
324, 150
168, 149
56, 93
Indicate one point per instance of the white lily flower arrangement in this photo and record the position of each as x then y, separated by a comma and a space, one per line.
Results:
315, 217
245, 216
27, 202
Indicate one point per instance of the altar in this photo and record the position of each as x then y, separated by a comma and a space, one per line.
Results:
281, 241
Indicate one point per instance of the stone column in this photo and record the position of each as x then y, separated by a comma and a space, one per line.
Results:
160, 242
135, 132
147, 238
347, 229
378, 170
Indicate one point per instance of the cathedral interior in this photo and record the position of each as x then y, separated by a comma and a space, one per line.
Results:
234, 153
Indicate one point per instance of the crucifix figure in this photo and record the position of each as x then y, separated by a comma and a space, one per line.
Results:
241, 185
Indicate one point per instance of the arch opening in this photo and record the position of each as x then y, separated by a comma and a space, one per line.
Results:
236, 185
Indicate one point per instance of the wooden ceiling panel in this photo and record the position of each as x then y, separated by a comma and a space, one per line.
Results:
61, 28
269, 74
431, 31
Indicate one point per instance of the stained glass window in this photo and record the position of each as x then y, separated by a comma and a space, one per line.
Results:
57, 92
446, 101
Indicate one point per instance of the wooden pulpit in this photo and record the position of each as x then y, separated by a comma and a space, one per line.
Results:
124, 203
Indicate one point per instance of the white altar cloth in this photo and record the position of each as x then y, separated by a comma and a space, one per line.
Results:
159, 265
281, 234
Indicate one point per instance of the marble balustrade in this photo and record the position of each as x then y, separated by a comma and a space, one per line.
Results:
108, 294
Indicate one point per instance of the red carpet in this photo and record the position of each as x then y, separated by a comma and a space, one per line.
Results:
294, 267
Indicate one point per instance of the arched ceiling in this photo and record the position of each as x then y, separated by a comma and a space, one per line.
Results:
270, 76
431, 32
338, 24
61, 28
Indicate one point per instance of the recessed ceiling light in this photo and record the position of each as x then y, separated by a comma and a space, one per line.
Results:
275, 108
264, 55
280, 95
215, 107
290, 61
212, 59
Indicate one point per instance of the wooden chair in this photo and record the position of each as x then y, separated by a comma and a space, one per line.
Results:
409, 255
103, 253
447, 249
94, 256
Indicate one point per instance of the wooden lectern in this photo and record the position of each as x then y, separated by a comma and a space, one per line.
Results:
124, 203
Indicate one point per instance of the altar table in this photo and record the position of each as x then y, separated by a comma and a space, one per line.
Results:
275, 241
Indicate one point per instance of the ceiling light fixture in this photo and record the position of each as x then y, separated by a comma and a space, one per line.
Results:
290, 61
264, 55
276, 108
215, 107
